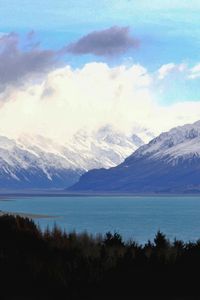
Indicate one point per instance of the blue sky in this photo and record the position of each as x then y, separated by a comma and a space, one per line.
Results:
160, 24
167, 32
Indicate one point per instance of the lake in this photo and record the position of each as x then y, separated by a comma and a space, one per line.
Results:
138, 218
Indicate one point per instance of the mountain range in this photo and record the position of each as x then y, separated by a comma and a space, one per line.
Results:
169, 163
39, 162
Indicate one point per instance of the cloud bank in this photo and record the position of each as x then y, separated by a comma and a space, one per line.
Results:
112, 41
93, 96
24, 59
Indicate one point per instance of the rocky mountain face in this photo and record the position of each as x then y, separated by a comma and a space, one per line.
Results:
169, 163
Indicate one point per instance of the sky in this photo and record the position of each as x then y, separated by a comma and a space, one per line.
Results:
69, 65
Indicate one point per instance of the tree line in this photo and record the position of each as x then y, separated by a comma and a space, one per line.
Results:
54, 264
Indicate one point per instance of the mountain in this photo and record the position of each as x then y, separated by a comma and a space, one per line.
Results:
170, 163
31, 167
39, 162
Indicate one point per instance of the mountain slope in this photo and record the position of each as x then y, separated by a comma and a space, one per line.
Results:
25, 168
169, 163
38, 162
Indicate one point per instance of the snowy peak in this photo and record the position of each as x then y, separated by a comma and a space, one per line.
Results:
180, 142
110, 136
39, 161
106, 147
170, 163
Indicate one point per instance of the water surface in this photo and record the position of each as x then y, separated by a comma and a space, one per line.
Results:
137, 218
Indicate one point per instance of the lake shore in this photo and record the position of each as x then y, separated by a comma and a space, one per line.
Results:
25, 215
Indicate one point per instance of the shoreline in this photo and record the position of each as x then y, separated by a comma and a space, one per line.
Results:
7, 195
26, 215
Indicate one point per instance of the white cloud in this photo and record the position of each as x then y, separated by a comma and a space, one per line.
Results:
90, 97
194, 72
167, 69
182, 69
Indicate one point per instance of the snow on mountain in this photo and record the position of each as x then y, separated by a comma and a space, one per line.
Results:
104, 148
37, 162
168, 163
21, 167
181, 142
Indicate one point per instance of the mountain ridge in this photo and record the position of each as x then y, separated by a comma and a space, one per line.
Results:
39, 162
170, 163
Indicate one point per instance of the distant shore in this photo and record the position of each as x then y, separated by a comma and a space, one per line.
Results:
6, 194
25, 215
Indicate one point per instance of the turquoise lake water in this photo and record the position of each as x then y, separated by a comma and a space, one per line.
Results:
138, 218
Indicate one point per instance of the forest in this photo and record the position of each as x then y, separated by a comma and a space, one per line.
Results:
55, 264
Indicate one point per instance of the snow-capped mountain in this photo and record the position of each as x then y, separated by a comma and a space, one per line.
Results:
23, 167
39, 162
182, 142
168, 163
103, 148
